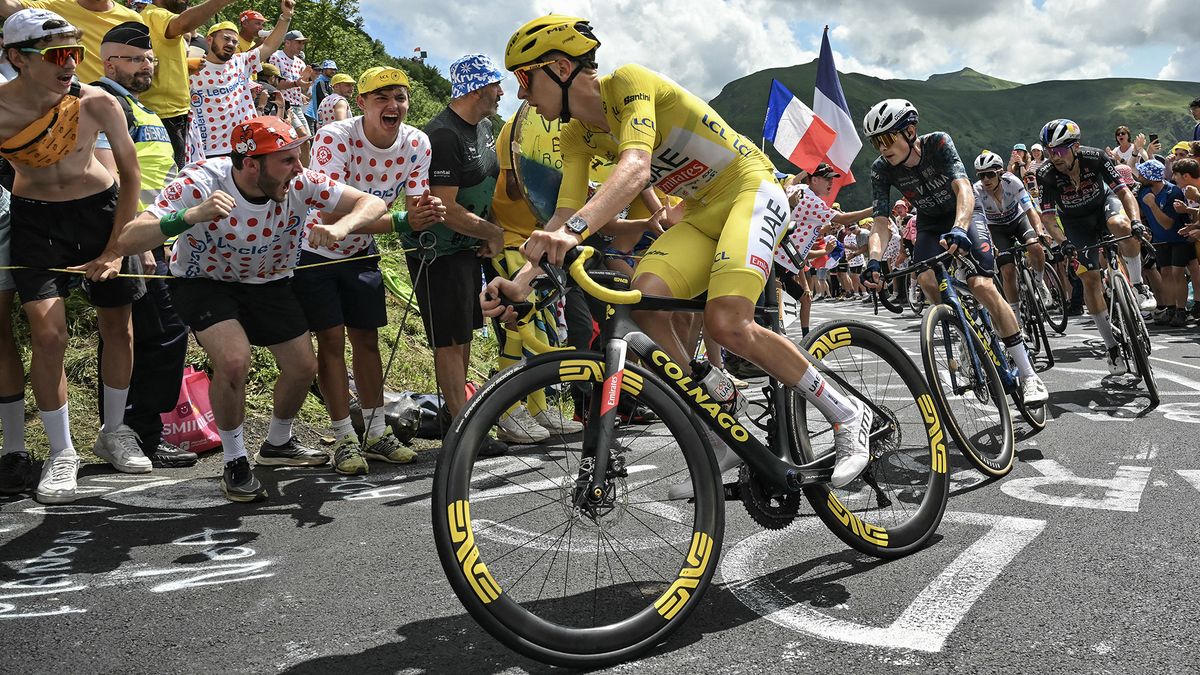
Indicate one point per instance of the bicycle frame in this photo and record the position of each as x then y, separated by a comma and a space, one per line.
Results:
950, 286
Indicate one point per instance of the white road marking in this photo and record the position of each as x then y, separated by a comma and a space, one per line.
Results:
1190, 475
1122, 492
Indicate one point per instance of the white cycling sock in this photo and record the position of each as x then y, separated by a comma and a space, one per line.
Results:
280, 431
114, 408
233, 444
1134, 265
1020, 356
12, 423
835, 407
343, 428
1105, 329
58, 431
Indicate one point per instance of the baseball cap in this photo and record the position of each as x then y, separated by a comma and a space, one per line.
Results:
1020, 146
250, 15
224, 25
294, 35
1152, 170
823, 170
28, 25
472, 72
132, 33
380, 77
900, 204
263, 135
340, 78
1037, 146
327, 64
271, 70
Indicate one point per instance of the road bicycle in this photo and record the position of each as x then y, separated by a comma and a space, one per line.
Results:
969, 371
1129, 328
573, 553
1032, 310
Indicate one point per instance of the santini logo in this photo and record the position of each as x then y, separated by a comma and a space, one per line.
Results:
636, 97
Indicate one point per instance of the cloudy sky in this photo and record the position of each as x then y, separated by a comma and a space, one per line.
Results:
702, 44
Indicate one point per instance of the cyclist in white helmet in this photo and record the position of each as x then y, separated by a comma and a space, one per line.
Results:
1011, 219
928, 172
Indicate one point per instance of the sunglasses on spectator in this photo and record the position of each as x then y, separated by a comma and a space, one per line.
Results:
884, 141
988, 174
1061, 151
1122, 133
137, 60
58, 55
522, 72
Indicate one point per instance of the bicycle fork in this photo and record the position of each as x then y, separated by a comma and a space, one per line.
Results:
601, 429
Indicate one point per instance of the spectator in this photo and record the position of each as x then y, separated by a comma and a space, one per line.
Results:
294, 76
57, 224
14, 460
463, 175
93, 17
221, 97
268, 100
1156, 201
1018, 161
336, 106
1194, 108
1129, 151
160, 339
250, 25
321, 87
238, 292
1037, 155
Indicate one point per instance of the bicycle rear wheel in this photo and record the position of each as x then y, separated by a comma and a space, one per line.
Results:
972, 397
1033, 322
578, 586
1056, 312
1136, 335
895, 506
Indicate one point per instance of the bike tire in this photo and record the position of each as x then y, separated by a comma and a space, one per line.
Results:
1034, 320
487, 555
890, 299
1136, 335
1056, 313
895, 506
989, 446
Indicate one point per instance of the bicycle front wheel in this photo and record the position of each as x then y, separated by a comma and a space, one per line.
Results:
969, 391
1056, 311
540, 567
895, 506
1136, 335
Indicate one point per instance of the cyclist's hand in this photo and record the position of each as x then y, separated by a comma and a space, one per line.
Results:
493, 295
871, 275
956, 240
1139, 230
1068, 249
552, 245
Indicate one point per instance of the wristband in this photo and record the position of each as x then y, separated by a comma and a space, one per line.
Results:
173, 224
400, 222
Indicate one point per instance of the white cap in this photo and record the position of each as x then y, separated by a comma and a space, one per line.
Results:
30, 24
1037, 146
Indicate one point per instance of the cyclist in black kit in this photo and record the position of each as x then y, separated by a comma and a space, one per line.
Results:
1081, 186
928, 172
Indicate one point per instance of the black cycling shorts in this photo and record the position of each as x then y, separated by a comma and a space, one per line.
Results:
1086, 230
1008, 235
931, 229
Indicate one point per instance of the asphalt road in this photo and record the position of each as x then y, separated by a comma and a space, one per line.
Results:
1081, 560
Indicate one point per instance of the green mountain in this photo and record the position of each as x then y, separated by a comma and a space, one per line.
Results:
978, 111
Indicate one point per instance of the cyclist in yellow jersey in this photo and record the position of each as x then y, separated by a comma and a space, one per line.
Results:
735, 212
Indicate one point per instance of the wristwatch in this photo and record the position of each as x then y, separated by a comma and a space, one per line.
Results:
578, 225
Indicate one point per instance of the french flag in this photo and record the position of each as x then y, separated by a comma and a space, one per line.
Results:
830, 106
797, 132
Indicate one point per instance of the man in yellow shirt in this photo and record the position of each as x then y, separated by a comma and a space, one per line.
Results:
250, 24
93, 17
168, 95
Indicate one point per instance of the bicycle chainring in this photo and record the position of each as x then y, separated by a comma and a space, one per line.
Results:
773, 512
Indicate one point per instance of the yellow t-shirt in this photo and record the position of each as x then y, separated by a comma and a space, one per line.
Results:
692, 150
93, 24
168, 96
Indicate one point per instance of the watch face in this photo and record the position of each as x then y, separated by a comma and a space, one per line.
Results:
577, 225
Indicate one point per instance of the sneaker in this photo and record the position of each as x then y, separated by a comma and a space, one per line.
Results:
168, 456
1161, 316
15, 468
1033, 391
1179, 318
387, 448
640, 414
737, 383
348, 457
289, 454
727, 460
1145, 296
239, 483
852, 444
123, 449
57, 485
492, 448
1116, 364
518, 427
552, 420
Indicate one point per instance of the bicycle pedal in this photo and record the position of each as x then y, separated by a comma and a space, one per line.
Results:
733, 490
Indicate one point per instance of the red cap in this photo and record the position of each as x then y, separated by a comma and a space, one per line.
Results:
249, 15
263, 136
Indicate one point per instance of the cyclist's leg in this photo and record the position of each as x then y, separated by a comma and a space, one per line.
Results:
1084, 232
1003, 238
924, 248
1119, 225
676, 265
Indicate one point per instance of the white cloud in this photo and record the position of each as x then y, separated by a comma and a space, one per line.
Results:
703, 44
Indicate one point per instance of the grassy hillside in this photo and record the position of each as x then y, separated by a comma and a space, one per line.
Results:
977, 118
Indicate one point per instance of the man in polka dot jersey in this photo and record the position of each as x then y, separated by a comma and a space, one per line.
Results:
379, 154
239, 221
221, 96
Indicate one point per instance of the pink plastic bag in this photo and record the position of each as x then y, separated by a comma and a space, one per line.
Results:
191, 425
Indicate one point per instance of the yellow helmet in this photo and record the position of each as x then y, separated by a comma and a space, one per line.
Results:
570, 35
